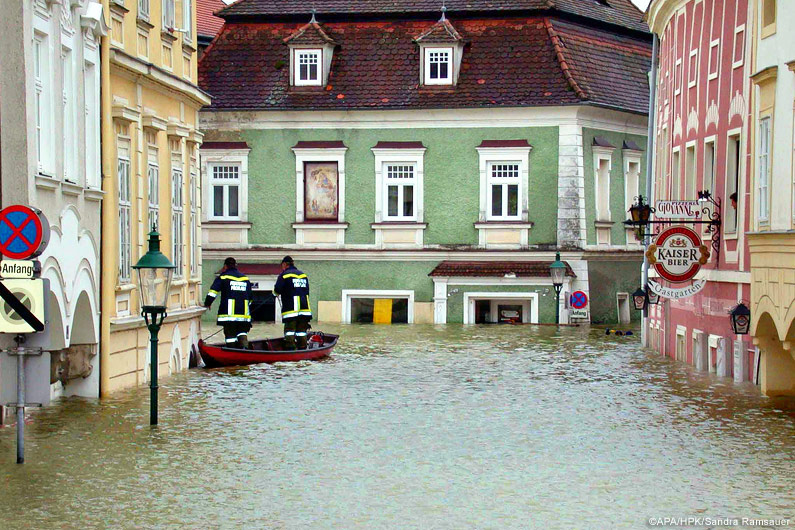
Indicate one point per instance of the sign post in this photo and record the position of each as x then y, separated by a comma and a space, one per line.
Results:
24, 234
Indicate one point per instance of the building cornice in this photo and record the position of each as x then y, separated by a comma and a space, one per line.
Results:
159, 76
659, 13
766, 74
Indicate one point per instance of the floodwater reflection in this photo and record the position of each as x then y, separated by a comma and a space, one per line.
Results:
414, 427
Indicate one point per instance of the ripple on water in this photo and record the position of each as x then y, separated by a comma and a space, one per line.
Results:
414, 427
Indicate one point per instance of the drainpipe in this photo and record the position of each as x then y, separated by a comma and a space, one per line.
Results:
107, 279
644, 330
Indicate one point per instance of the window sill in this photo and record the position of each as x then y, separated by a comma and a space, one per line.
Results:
398, 225
167, 36
179, 282
71, 188
125, 287
306, 89
144, 24
504, 224
227, 224
322, 225
118, 7
93, 194
604, 224
188, 45
47, 182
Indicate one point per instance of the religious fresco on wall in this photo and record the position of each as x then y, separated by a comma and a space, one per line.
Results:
321, 191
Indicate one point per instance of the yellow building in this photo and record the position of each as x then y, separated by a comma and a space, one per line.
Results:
150, 104
772, 237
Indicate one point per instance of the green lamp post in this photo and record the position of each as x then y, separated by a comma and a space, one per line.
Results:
154, 281
558, 272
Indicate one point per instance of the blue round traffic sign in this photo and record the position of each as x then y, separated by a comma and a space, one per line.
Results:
24, 232
578, 300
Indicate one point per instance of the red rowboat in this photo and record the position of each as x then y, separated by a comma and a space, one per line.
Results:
266, 351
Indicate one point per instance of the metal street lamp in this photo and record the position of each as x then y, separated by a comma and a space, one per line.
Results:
558, 272
154, 281
741, 319
639, 214
639, 299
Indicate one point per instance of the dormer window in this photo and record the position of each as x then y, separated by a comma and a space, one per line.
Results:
308, 65
441, 49
438, 66
311, 53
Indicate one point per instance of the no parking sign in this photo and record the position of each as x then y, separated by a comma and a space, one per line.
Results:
24, 232
578, 305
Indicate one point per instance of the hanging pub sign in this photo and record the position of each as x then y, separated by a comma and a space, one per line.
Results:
678, 254
676, 293
678, 210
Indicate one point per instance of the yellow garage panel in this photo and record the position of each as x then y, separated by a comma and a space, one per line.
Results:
382, 311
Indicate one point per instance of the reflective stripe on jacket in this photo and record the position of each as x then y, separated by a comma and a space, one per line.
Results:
293, 286
235, 291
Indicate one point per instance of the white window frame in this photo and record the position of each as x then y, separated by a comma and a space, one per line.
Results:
675, 190
678, 71
488, 156
401, 183
349, 294
194, 191
124, 182
187, 20
504, 182
714, 69
428, 51
143, 9
304, 155
692, 81
169, 14
69, 112
152, 179
225, 183
318, 56
209, 158
764, 164
709, 181
177, 207
631, 157
528, 300
43, 120
731, 232
601, 154
387, 156
739, 62
691, 171
93, 165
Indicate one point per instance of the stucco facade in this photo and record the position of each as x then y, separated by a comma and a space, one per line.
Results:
150, 162
772, 231
50, 143
452, 223
701, 143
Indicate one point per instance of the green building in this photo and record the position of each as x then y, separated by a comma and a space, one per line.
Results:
425, 166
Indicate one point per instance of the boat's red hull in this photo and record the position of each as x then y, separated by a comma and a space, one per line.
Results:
264, 351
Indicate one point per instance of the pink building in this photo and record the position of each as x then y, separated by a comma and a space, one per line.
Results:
701, 139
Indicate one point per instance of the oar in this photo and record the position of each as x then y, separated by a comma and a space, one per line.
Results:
213, 335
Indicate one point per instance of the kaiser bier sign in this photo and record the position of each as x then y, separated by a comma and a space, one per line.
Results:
678, 254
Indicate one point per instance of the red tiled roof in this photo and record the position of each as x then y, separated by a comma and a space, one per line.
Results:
442, 31
399, 145
522, 269
506, 63
260, 269
224, 145
504, 143
619, 12
319, 145
311, 33
207, 24
611, 69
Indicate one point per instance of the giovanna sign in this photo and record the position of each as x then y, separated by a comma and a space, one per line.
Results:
678, 254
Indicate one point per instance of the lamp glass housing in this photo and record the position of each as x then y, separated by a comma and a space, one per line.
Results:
653, 298
741, 319
557, 270
155, 272
639, 299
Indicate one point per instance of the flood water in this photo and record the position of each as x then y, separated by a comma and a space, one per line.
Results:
413, 427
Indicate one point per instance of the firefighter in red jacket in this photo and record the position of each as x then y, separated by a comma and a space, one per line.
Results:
233, 312
293, 287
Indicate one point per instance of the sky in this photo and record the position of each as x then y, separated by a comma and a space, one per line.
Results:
641, 4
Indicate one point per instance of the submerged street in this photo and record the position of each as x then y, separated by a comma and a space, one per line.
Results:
413, 427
